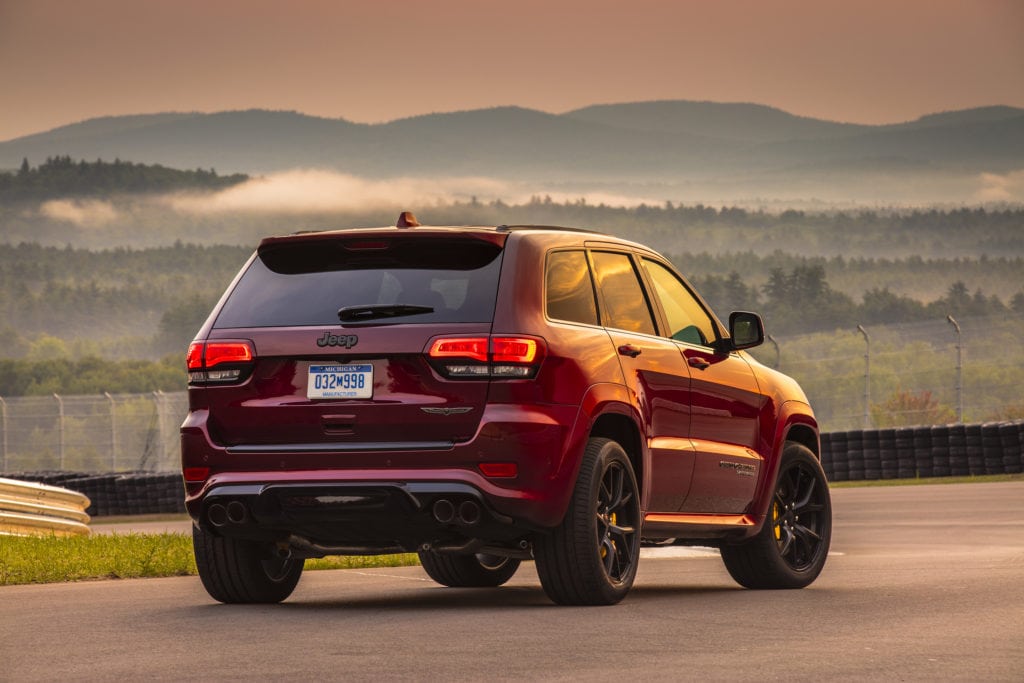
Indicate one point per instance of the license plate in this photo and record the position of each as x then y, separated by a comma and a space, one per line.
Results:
340, 381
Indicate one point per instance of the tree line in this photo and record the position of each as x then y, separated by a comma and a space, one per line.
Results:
801, 300
61, 176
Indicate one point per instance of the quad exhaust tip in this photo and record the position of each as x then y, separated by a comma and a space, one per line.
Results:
467, 513
235, 512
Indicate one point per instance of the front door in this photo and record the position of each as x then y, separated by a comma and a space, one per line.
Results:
724, 401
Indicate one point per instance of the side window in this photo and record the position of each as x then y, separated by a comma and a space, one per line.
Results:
625, 306
687, 320
570, 292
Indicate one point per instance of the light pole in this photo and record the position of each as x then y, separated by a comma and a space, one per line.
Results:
959, 371
867, 376
778, 357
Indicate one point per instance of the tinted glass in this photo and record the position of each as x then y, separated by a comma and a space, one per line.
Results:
570, 291
306, 283
625, 306
687, 320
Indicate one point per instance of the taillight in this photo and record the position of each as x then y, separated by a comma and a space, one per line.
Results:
474, 348
219, 362
487, 357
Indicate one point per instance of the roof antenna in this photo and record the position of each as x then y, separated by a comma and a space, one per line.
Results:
407, 220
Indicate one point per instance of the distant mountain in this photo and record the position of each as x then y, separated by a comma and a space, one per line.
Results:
723, 121
669, 141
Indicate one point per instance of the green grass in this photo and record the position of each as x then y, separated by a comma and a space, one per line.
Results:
128, 556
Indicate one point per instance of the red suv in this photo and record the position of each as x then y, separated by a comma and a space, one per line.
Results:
483, 396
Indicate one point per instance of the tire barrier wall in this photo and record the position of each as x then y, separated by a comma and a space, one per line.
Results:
30, 509
126, 493
938, 451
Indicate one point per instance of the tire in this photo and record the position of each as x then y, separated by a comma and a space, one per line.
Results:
234, 571
468, 571
792, 546
591, 557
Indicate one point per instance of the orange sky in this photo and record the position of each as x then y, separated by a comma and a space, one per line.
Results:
372, 60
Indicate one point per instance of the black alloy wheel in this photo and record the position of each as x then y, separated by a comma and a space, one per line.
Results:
791, 548
591, 557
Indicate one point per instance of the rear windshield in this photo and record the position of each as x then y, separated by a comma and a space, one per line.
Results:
307, 283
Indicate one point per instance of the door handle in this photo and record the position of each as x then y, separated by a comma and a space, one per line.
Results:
629, 350
698, 362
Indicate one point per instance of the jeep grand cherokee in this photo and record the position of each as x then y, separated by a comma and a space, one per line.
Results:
483, 396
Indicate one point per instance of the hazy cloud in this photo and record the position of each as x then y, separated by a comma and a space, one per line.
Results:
86, 213
301, 191
314, 191
1001, 188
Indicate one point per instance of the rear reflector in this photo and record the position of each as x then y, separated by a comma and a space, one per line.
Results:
196, 474
502, 470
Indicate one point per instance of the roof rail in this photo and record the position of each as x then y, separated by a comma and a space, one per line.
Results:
561, 228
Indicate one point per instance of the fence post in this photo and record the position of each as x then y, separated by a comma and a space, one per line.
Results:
959, 371
867, 377
3, 425
158, 406
60, 429
113, 434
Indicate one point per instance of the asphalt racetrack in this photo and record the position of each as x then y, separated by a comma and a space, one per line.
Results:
924, 583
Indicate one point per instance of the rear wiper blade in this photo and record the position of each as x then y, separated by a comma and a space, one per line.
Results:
374, 311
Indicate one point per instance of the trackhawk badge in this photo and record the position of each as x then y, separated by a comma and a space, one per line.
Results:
741, 469
446, 411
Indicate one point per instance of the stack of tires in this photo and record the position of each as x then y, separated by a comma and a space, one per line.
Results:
826, 456
958, 464
928, 451
939, 441
872, 455
888, 457
1012, 437
924, 462
855, 455
839, 462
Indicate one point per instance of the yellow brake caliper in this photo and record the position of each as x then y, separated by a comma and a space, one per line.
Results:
604, 550
775, 521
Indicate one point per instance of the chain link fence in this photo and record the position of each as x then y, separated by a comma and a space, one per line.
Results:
911, 374
104, 433
882, 377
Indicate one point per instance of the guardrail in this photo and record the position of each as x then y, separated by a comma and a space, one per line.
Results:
32, 509
130, 493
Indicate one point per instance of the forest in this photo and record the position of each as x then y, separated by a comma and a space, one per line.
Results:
109, 305
61, 177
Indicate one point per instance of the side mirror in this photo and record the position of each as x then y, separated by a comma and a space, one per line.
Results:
746, 330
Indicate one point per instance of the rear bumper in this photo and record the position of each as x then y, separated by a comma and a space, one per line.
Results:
381, 489
357, 518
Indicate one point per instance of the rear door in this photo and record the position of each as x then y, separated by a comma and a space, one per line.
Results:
361, 377
656, 374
